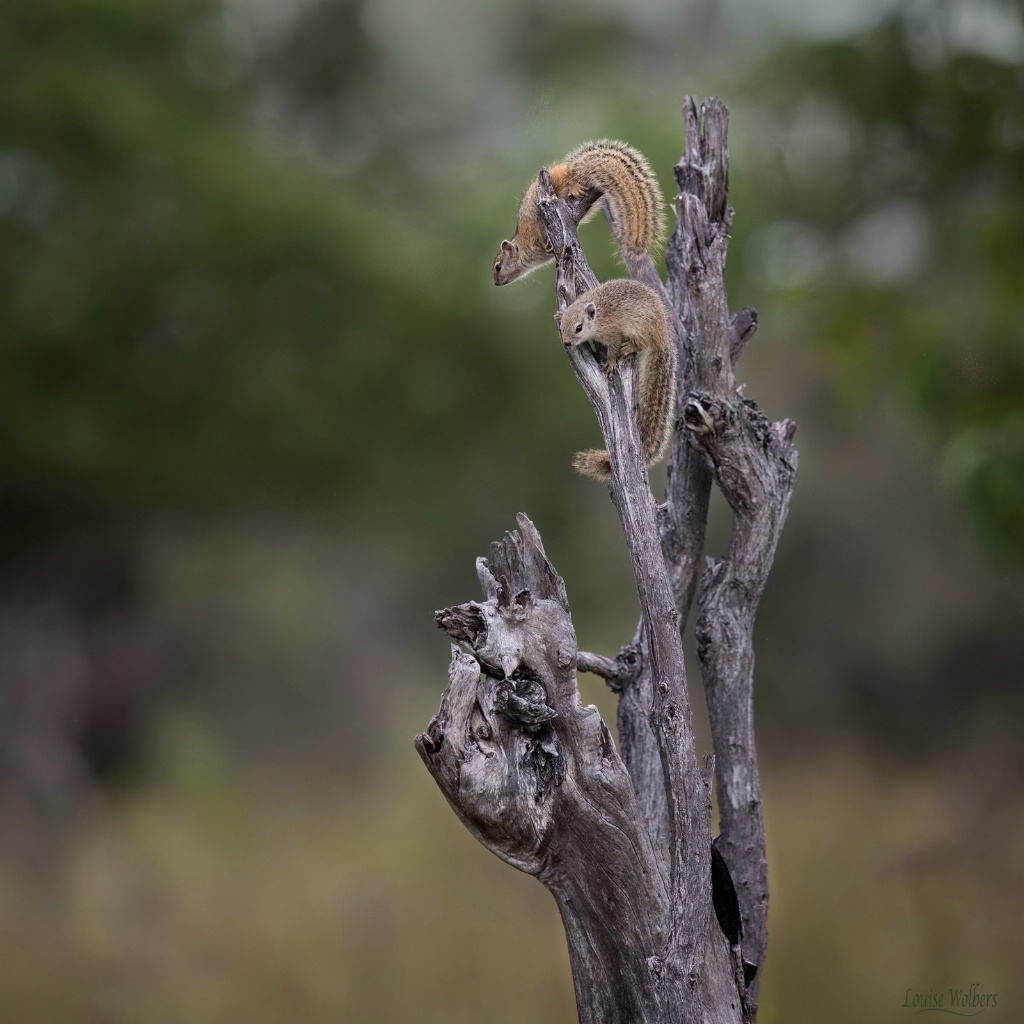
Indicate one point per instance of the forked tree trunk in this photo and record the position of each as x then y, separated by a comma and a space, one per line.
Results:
662, 925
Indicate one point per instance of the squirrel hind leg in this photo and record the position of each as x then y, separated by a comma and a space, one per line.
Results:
593, 463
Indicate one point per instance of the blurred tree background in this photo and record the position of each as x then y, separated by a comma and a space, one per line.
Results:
260, 409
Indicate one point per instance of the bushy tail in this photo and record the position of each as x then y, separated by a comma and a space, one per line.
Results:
657, 401
630, 196
593, 463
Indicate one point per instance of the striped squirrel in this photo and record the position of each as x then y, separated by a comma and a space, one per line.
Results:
626, 317
607, 171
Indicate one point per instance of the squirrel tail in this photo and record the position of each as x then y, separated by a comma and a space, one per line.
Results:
657, 401
593, 463
657, 413
630, 196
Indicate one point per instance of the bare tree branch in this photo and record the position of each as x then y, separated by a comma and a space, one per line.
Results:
755, 467
687, 795
618, 673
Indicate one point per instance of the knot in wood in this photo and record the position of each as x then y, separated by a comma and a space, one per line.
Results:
698, 419
630, 662
544, 757
524, 702
630, 657
656, 967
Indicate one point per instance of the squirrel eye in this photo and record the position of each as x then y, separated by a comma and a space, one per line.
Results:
579, 327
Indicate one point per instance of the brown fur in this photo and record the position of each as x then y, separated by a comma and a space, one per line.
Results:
628, 317
606, 173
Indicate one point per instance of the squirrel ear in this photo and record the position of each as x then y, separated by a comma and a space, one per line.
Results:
558, 319
591, 310
506, 246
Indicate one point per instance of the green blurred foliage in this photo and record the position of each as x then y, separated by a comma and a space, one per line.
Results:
193, 319
243, 268
244, 258
898, 159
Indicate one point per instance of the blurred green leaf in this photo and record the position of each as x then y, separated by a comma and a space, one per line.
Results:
902, 157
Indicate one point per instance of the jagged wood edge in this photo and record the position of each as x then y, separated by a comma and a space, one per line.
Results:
582, 835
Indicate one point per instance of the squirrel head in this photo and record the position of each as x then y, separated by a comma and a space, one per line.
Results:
506, 263
577, 323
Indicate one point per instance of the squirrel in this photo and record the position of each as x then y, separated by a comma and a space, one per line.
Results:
606, 171
626, 317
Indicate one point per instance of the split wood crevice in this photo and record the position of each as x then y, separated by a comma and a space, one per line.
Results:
622, 838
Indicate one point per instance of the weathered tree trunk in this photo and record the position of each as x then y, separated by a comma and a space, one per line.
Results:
657, 931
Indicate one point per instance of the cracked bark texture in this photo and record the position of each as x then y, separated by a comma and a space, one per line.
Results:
662, 926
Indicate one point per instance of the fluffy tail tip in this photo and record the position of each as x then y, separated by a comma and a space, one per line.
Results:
593, 463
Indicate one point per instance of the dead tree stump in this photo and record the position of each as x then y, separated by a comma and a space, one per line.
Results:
662, 924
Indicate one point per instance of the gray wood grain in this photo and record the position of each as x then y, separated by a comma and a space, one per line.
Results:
622, 838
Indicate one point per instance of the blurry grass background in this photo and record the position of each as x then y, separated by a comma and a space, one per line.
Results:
260, 409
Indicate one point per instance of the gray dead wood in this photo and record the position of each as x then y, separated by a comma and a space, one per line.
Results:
535, 776
753, 462
624, 842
